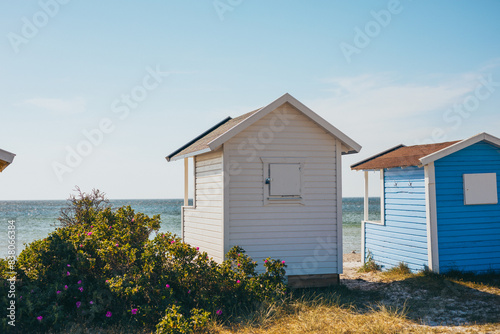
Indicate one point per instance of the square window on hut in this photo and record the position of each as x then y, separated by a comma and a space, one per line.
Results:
480, 189
283, 180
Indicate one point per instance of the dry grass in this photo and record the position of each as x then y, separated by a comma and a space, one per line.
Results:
399, 272
328, 319
488, 282
369, 266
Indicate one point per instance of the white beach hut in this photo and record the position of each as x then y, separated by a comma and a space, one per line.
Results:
6, 159
270, 182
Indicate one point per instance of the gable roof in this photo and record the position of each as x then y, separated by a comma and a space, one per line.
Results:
461, 145
400, 156
6, 159
225, 130
419, 155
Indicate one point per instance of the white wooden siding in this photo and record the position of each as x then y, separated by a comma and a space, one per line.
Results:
203, 222
305, 236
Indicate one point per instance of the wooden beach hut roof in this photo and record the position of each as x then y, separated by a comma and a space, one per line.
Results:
6, 159
419, 155
200, 144
214, 137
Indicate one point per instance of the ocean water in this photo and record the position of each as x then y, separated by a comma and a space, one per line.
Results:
36, 219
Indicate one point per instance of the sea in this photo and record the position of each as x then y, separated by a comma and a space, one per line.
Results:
35, 220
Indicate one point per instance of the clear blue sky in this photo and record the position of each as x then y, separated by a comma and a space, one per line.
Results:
383, 72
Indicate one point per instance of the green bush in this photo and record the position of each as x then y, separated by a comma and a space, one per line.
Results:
101, 268
175, 322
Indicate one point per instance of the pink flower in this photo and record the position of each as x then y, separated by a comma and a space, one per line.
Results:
69, 265
58, 292
238, 281
68, 273
134, 311
107, 281
65, 287
109, 314
90, 233
167, 286
133, 220
116, 245
172, 242
197, 248
218, 312
78, 304
91, 226
80, 282
91, 302
189, 291
81, 289
265, 261
81, 246
283, 262
239, 264
39, 318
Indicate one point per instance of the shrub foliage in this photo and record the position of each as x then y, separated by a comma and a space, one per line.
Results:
103, 267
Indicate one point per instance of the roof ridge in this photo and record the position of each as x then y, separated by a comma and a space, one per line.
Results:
431, 144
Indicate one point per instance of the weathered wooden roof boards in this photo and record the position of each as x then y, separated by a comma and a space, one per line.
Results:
269, 181
200, 144
400, 156
439, 206
6, 159
418, 155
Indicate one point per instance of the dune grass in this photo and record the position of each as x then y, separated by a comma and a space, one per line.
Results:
331, 310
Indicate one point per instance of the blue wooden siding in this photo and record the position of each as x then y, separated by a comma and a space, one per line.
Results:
403, 238
468, 235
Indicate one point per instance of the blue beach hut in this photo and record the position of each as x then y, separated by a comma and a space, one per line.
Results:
439, 206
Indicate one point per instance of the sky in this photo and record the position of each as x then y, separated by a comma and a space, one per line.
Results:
95, 94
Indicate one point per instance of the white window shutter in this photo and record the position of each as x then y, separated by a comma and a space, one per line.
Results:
285, 179
480, 189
